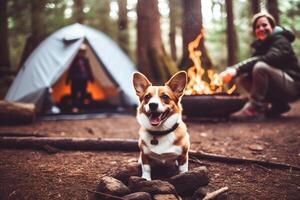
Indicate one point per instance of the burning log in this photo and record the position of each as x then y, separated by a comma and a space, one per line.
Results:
198, 83
206, 95
208, 98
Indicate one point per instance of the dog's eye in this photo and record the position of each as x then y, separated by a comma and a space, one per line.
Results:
147, 97
165, 97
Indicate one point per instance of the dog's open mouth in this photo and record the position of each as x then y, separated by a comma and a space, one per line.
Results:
156, 117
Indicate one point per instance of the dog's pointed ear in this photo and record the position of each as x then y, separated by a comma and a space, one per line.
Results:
178, 83
140, 83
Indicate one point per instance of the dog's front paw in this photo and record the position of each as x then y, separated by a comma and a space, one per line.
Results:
146, 172
183, 168
146, 176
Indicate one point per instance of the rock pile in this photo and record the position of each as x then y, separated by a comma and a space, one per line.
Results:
128, 185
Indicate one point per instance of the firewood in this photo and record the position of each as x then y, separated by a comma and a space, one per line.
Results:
50, 150
105, 194
98, 144
16, 113
86, 144
22, 134
214, 194
220, 158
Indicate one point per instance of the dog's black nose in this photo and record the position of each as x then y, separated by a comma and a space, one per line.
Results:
153, 106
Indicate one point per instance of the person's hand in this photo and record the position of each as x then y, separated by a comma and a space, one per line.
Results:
228, 74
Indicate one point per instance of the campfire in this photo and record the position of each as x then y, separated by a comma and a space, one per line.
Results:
211, 97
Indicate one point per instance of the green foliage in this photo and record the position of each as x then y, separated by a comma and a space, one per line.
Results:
19, 12
98, 15
19, 22
216, 33
215, 36
290, 19
243, 28
55, 15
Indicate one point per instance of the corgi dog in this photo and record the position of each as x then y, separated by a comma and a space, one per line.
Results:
163, 135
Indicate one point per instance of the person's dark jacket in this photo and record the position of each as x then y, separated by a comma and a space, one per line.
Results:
80, 70
276, 51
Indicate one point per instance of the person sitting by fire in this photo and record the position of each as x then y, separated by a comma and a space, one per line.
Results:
79, 75
271, 75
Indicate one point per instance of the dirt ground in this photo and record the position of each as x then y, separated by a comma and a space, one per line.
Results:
31, 174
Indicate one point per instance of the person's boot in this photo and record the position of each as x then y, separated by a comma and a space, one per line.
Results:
250, 112
75, 110
277, 109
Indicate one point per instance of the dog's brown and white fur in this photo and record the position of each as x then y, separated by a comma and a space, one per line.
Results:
163, 135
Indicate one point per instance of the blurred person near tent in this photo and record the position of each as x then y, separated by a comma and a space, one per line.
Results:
271, 75
79, 75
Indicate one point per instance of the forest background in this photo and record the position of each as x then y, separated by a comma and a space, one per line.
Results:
154, 34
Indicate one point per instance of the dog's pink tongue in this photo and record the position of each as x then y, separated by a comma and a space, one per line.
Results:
155, 120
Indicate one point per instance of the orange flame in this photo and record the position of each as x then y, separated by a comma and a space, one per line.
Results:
196, 84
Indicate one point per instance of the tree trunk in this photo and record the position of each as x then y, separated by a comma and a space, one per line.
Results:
38, 32
191, 28
4, 47
123, 20
272, 7
27, 50
172, 4
152, 58
78, 11
123, 26
231, 35
105, 23
38, 21
255, 7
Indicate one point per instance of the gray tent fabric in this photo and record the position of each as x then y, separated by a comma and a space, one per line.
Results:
53, 56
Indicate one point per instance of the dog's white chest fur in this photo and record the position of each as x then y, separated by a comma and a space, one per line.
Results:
165, 143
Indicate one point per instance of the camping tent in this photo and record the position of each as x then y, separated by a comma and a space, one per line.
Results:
43, 74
